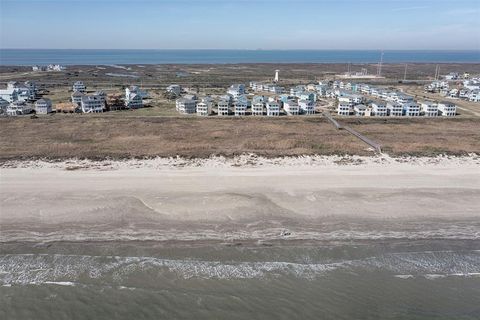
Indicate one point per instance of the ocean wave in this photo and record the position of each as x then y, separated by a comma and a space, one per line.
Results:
67, 270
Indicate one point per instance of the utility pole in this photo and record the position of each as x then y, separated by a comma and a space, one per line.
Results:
405, 73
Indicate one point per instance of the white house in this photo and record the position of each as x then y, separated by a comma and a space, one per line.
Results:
92, 104
346, 99
240, 107
32, 89
403, 98
186, 106
359, 109
273, 109
257, 107
43, 106
291, 108
79, 86
447, 109
223, 107
135, 89
306, 106
394, 109
77, 97
429, 108
23, 93
474, 95
297, 91
236, 90
9, 94
204, 106
101, 94
134, 101
18, 108
343, 109
411, 109
175, 89
3, 106
379, 109
134, 97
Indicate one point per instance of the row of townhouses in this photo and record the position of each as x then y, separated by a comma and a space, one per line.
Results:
468, 90
20, 99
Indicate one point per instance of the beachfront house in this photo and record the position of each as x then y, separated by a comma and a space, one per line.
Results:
3, 106
291, 108
257, 107
474, 95
101, 94
306, 106
134, 97
379, 108
276, 89
429, 108
18, 108
310, 96
240, 106
25, 92
92, 104
32, 89
321, 89
77, 97
135, 90
447, 109
186, 106
204, 106
411, 109
236, 90
359, 110
344, 109
346, 99
10, 95
394, 109
223, 107
403, 98
79, 86
273, 109
43, 106
174, 89
297, 91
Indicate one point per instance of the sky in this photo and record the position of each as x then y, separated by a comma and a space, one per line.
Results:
240, 24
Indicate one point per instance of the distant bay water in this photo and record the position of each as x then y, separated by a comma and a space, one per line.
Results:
23, 57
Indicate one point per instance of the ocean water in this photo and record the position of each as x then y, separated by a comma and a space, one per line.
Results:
106, 57
434, 279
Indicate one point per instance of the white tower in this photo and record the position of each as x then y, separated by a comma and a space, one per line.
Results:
276, 76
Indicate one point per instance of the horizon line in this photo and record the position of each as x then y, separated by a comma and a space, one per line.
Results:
242, 49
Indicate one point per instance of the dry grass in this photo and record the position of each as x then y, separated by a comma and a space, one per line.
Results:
425, 137
111, 137
100, 137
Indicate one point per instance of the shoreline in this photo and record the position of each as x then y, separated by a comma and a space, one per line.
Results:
247, 198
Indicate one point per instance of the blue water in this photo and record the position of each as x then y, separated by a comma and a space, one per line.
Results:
105, 57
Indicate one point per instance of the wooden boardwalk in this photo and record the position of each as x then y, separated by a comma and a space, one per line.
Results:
373, 144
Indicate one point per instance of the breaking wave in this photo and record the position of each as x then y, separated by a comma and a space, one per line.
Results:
71, 269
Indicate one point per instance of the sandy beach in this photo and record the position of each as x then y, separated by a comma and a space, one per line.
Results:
240, 199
